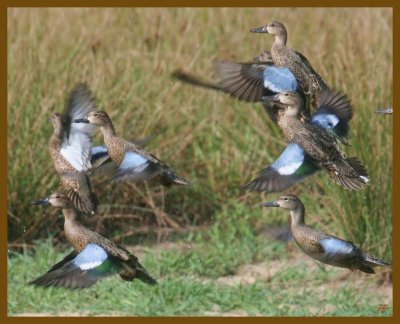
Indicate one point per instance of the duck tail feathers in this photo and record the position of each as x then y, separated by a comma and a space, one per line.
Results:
349, 173
373, 261
170, 177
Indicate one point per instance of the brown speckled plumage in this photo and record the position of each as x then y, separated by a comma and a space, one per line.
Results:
309, 80
118, 149
321, 246
69, 274
74, 178
79, 236
319, 144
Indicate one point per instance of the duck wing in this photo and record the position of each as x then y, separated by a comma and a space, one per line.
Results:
69, 257
244, 81
131, 268
321, 82
80, 270
334, 113
80, 192
138, 167
77, 142
340, 252
292, 166
99, 154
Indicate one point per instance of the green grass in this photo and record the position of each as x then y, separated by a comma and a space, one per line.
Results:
127, 56
198, 280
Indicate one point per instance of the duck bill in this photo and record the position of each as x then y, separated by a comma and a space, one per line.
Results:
41, 202
273, 98
262, 29
387, 111
269, 204
81, 120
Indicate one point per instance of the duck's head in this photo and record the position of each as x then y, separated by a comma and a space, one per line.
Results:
291, 100
57, 120
290, 202
273, 28
56, 200
99, 118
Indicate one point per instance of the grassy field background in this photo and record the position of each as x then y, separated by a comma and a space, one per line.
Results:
126, 56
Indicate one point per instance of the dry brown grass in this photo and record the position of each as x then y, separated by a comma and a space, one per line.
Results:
127, 55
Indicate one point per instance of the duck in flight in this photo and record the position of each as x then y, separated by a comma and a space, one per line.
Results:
323, 247
134, 163
309, 81
70, 148
94, 257
312, 146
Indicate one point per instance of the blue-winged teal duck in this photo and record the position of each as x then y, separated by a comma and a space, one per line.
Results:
323, 247
70, 148
253, 80
386, 111
309, 80
250, 81
133, 162
312, 146
240, 80
247, 81
99, 154
94, 257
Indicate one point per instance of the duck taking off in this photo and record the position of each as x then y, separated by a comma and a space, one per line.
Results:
313, 145
94, 256
282, 69
321, 246
249, 81
253, 80
244, 81
310, 82
134, 163
70, 148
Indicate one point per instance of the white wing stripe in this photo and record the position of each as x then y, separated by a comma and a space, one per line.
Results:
77, 150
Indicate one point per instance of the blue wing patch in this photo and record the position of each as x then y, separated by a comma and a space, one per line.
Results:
292, 166
290, 160
80, 270
336, 247
133, 161
334, 112
279, 79
91, 257
327, 121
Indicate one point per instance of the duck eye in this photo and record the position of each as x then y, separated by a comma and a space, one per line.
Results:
94, 114
286, 198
